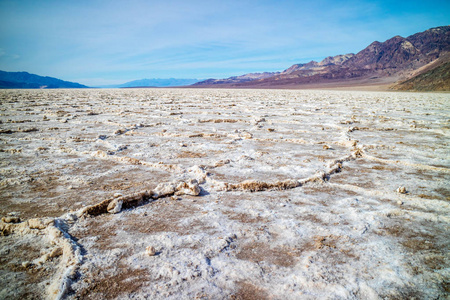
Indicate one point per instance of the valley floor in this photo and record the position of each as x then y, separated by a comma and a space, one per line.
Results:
224, 194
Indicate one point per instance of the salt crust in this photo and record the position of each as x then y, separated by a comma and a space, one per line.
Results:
195, 179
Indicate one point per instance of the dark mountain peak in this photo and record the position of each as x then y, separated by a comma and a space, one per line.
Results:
394, 40
433, 41
399, 43
299, 67
310, 64
292, 68
157, 82
393, 53
238, 79
372, 48
436, 30
336, 60
33, 81
374, 44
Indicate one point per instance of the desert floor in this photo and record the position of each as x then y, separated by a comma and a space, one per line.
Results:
224, 194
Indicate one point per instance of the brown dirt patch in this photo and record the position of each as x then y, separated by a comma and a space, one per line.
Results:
256, 252
313, 218
245, 218
425, 196
327, 191
47, 196
248, 291
444, 192
426, 244
414, 241
168, 219
384, 167
123, 281
101, 227
325, 241
356, 175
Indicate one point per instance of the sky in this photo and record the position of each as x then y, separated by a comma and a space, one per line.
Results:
99, 42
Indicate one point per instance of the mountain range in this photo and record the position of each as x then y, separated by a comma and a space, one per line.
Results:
155, 82
420, 61
24, 80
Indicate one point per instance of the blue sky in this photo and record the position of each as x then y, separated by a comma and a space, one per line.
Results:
106, 42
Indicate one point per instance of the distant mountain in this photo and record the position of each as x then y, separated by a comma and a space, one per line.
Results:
155, 82
238, 79
379, 63
24, 80
314, 66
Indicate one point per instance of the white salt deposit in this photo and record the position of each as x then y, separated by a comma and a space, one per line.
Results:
217, 194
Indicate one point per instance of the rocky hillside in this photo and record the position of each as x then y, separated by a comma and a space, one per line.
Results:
435, 79
395, 59
24, 80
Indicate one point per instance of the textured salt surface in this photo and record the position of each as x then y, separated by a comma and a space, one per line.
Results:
213, 194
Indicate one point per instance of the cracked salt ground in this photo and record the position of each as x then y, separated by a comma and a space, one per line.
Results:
217, 194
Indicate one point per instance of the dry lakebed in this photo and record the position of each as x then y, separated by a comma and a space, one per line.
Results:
224, 194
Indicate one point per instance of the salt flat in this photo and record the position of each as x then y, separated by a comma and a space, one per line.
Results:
243, 194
